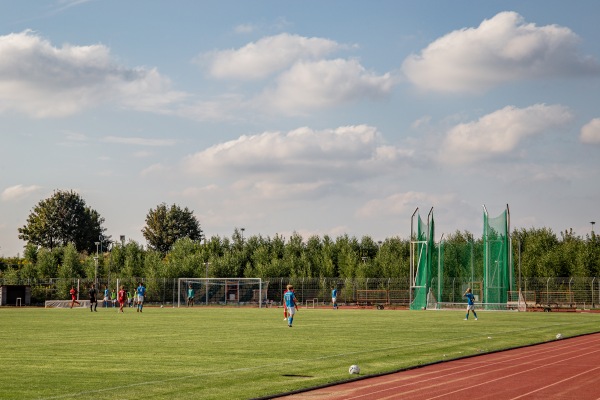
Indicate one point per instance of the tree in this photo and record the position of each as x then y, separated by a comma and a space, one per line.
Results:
164, 226
62, 219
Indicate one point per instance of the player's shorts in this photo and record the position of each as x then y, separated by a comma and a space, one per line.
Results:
333, 299
291, 311
471, 307
140, 299
73, 297
106, 298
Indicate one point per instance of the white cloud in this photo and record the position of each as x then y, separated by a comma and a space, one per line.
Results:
502, 49
499, 132
41, 80
245, 28
18, 192
310, 86
155, 169
300, 160
268, 55
139, 141
396, 204
590, 132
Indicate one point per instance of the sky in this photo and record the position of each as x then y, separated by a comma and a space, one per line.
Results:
316, 117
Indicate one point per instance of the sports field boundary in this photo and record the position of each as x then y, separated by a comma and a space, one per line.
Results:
370, 376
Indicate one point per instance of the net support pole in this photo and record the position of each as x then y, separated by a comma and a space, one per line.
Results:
510, 250
439, 296
486, 256
178, 293
429, 255
260, 294
412, 254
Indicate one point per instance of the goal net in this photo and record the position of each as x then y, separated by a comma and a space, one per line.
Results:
222, 291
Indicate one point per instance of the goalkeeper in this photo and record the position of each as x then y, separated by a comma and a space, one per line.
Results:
190, 296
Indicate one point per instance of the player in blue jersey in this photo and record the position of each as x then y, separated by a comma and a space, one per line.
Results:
470, 303
289, 300
141, 292
334, 297
106, 296
191, 294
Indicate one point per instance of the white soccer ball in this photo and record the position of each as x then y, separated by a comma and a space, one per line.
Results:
354, 369
161, 306
559, 336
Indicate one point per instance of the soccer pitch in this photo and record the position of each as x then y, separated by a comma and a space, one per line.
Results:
241, 353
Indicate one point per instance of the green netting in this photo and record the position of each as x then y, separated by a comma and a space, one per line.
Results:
497, 268
423, 261
442, 273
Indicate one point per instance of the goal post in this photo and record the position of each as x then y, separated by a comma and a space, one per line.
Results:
223, 291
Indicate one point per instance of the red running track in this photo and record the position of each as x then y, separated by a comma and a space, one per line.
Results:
562, 369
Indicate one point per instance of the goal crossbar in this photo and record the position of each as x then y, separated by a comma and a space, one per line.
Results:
222, 291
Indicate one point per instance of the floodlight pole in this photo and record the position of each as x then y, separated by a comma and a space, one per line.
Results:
592, 222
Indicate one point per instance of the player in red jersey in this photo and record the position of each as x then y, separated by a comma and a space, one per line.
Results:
73, 293
122, 297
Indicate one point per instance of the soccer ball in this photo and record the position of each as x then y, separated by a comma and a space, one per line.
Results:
559, 336
354, 369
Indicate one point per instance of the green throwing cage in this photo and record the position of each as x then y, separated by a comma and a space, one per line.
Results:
421, 259
497, 259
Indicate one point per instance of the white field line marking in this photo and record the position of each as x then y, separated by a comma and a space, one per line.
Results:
556, 383
461, 370
461, 367
511, 375
229, 371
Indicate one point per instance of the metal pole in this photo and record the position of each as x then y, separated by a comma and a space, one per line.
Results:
412, 261
486, 257
593, 291
510, 270
96, 274
439, 296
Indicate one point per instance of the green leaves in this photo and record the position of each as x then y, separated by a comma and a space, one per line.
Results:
62, 219
164, 226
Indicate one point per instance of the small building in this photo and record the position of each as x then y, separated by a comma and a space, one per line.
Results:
15, 295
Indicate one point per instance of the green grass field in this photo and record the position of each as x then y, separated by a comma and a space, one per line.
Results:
241, 353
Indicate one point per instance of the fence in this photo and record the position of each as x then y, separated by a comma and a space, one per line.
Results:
582, 292
575, 292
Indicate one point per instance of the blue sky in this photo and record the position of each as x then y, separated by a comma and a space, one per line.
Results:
316, 117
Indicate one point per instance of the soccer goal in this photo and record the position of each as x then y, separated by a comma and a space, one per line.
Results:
222, 291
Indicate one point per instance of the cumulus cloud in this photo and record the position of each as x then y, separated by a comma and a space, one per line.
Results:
502, 49
42, 80
18, 192
314, 85
500, 132
590, 132
271, 54
303, 155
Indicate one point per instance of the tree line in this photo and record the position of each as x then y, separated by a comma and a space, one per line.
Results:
65, 239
